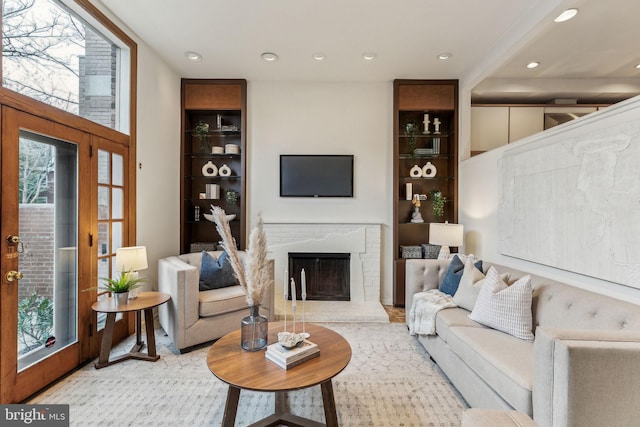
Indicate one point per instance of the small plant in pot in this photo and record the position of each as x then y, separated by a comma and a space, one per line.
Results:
120, 286
438, 204
201, 132
410, 129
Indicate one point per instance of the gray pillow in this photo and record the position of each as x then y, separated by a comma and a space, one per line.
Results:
216, 273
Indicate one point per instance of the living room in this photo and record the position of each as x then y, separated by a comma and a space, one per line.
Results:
316, 110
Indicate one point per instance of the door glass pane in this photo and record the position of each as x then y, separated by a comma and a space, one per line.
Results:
47, 293
116, 236
103, 202
103, 239
116, 202
118, 173
104, 171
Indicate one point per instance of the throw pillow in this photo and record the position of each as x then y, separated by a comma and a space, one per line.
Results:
216, 273
505, 308
469, 286
452, 278
470, 283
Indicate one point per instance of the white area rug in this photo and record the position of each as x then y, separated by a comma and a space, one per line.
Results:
390, 381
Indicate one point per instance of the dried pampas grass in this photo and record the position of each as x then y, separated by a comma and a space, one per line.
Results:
254, 277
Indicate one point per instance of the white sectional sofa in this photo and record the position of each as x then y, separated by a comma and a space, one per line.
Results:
583, 368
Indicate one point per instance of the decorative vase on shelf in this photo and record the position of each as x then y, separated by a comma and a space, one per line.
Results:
254, 330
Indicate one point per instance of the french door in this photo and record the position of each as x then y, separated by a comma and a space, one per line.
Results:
44, 245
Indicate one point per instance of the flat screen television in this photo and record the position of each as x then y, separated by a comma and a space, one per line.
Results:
316, 175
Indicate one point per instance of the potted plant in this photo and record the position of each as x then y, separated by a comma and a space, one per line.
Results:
120, 286
410, 129
201, 131
438, 204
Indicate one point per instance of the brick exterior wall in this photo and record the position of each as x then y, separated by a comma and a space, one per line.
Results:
37, 231
98, 80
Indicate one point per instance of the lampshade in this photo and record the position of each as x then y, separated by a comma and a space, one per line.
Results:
133, 258
446, 234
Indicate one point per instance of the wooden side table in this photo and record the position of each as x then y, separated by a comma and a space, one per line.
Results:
252, 371
146, 301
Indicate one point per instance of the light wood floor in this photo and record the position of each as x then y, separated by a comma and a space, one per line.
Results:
396, 314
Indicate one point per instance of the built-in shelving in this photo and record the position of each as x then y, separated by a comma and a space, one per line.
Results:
220, 104
412, 100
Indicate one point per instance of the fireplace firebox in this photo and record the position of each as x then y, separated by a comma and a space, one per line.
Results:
327, 275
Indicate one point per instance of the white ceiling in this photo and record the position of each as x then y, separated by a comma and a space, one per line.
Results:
591, 58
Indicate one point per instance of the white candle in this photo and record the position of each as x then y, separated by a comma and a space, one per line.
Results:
293, 293
303, 280
426, 119
286, 284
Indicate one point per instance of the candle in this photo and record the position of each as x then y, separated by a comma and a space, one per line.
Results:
303, 281
426, 119
286, 284
293, 293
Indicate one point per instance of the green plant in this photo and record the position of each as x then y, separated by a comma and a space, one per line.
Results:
35, 322
122, 283
231, 197
438, 201
201, 131
410, 129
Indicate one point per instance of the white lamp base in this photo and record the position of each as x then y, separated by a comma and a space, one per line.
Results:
444, 253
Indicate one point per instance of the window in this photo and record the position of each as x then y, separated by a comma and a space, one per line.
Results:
54, 53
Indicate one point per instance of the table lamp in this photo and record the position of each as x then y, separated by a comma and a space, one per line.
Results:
445, 235
130, 260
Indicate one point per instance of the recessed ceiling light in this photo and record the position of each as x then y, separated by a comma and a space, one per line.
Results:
193, 56
533, 65
566, 15
638, 66
369, 56
445, 55
269, 56
319, 56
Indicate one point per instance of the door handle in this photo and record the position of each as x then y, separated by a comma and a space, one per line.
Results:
15, 241
13, 275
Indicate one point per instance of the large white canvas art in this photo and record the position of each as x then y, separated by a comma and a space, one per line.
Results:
572, 201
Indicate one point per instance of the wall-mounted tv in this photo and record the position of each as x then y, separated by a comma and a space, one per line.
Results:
316, 175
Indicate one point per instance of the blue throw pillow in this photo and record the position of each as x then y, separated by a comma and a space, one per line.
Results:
216, 274
452, 278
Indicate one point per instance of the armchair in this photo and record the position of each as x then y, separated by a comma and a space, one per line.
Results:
192, 316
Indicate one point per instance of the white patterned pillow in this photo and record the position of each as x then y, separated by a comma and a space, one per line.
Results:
470, 283
505, 308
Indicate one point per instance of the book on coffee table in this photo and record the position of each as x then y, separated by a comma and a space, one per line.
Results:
287, 358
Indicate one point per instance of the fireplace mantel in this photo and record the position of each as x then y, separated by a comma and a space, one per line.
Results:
361, 240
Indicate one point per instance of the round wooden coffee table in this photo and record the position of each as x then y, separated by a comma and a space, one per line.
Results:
252, 371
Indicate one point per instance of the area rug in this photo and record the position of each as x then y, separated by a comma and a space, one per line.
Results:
390, 381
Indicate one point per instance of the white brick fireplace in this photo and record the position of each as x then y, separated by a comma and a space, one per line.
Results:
362, 241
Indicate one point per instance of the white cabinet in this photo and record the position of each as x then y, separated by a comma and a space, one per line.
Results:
489, 127
494, 126
525, 121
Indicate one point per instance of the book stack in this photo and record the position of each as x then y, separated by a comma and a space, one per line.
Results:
286, 358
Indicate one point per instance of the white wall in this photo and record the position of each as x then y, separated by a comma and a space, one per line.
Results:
158, 171
324, 118
478, 205
158, 154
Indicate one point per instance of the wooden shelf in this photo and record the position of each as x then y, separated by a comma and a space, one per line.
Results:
211, 100
413, 99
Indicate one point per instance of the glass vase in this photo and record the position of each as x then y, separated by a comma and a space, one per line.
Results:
254, 330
